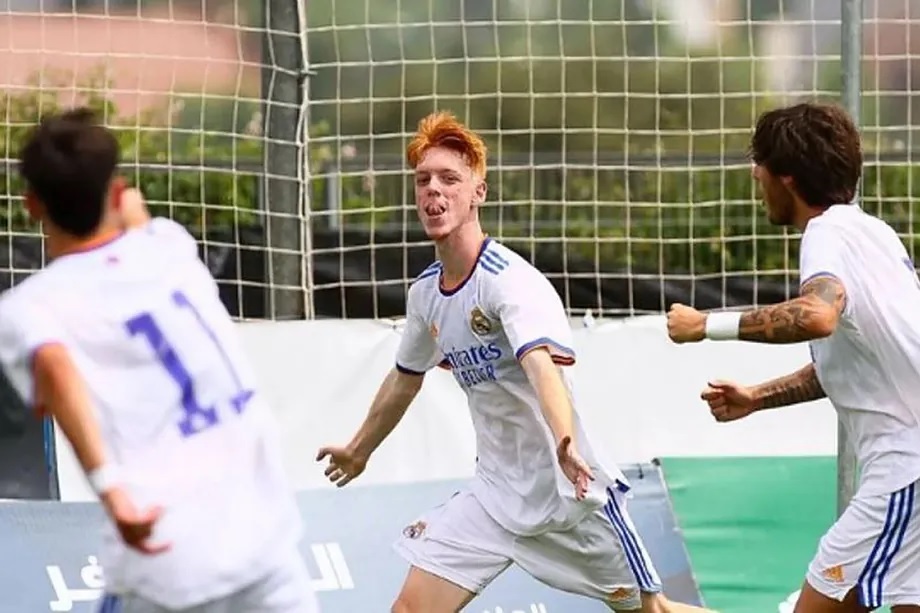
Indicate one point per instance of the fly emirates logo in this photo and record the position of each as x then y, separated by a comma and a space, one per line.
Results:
475, 364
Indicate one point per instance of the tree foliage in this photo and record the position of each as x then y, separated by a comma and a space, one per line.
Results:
204, 175
604, 131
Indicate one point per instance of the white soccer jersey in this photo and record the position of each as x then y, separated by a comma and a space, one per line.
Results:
179, 409
870, 366
479, 330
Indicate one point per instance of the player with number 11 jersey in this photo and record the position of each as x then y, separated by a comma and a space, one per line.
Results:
124, 340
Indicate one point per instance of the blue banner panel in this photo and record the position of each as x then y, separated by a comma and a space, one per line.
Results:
49, 562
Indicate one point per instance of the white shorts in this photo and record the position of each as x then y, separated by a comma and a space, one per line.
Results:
287, 589
874, 547
602, 557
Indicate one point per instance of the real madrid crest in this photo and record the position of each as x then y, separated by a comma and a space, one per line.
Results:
479, 323
415, 530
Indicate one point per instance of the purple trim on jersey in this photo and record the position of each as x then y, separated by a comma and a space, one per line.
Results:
429, 272
454, 290
545, 341
408, 371
825, 273
492, 262
821, 273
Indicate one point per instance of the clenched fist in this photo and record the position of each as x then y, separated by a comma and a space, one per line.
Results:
686, 324
729, 401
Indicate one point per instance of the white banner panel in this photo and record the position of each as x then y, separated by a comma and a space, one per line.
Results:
637, 392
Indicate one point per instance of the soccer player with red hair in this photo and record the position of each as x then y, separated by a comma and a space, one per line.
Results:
541, 497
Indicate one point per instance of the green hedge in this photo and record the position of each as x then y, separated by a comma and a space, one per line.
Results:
203, 178
651, 218
706, 220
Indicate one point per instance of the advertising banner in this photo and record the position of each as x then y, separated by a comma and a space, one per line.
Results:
50, 548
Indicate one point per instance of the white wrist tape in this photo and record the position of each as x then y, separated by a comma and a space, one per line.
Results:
103, 478
723, 326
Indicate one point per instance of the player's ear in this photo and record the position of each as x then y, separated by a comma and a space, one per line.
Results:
34, 207
116, 189
479, 195
131, 208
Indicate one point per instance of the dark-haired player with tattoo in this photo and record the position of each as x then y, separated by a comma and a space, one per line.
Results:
859, 308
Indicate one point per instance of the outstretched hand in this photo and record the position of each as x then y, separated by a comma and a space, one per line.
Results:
344, 464
729, 401
574, 467
134, 526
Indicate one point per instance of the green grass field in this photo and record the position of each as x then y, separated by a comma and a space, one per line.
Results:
751, 525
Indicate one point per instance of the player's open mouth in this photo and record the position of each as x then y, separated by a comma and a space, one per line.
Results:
434, 212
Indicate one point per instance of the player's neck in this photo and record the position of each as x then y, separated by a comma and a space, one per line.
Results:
458, 253
60, 244
805, 214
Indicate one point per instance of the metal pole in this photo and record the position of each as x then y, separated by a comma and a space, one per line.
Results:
851, 13
282, 80
303, 144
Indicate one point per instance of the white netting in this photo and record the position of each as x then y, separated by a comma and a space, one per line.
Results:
185, 85
617, 132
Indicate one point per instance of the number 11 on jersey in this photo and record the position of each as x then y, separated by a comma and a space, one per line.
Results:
196, 418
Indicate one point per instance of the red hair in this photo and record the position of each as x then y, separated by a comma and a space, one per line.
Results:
442, 129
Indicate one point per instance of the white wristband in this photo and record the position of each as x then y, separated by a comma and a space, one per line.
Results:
723, 326
103, 478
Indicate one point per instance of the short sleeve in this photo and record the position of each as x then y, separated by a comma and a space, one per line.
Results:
418, 350
532, 314
24, 327
821, 254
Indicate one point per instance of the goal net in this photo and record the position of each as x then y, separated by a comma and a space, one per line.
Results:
275, 130
617, 134
205, 97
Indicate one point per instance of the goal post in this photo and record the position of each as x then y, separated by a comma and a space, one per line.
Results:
285, 92
851, 40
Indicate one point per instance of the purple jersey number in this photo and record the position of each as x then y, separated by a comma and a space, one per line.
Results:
196, 417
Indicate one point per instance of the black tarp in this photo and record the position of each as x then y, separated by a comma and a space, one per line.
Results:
344, 260
23, 468
360, 275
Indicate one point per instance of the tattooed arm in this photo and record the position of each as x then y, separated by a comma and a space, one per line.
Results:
800, 386
814, 314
